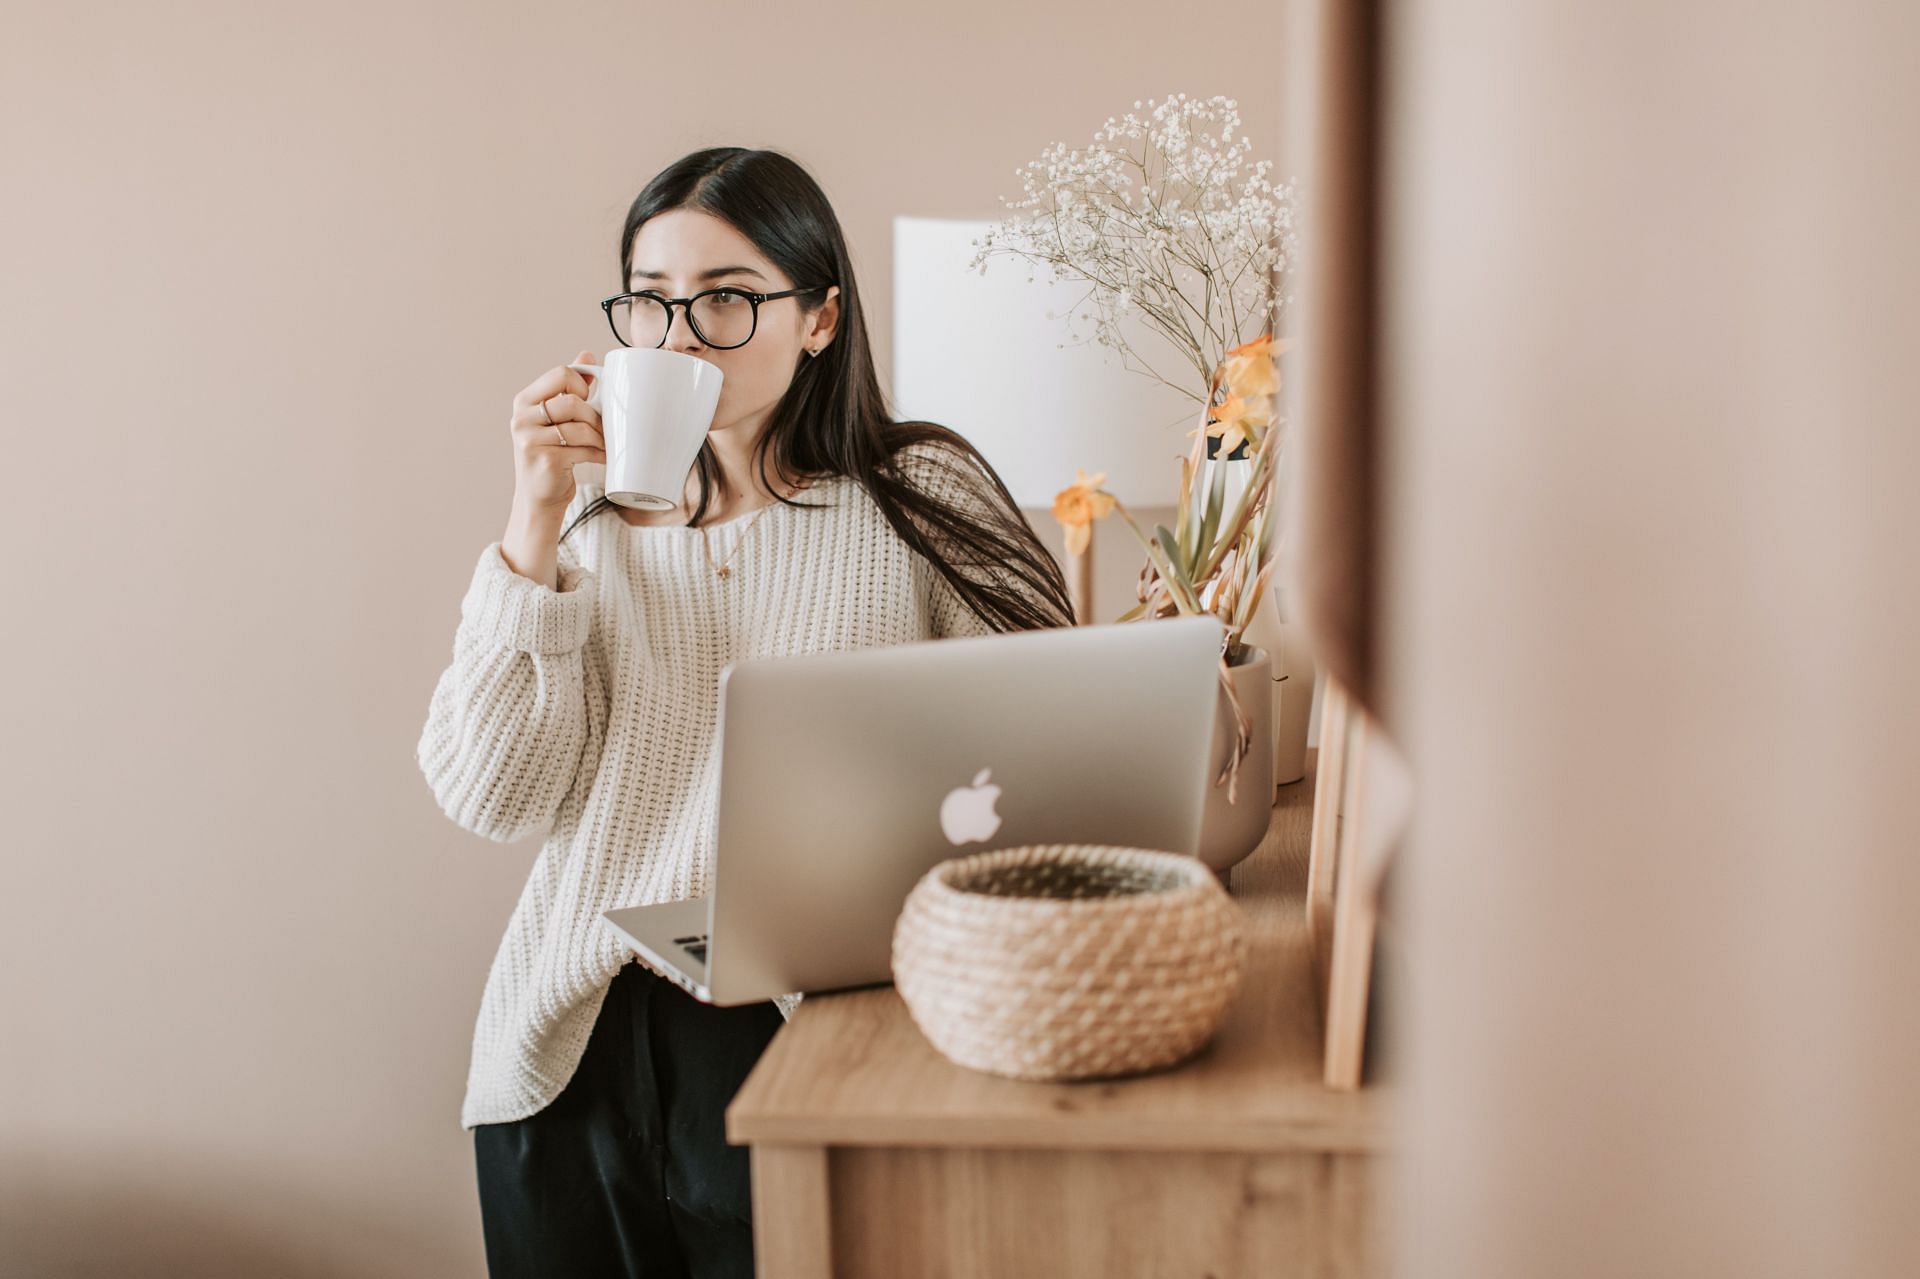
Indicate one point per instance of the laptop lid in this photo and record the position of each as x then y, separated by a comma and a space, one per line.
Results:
845, 776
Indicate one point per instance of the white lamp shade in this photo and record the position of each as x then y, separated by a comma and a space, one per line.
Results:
980, 353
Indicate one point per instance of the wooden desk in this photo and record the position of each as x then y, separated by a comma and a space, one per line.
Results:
873, 1155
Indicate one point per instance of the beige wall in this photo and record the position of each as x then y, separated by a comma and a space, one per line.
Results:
271, 282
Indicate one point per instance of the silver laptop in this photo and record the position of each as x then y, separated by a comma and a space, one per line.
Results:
844, 777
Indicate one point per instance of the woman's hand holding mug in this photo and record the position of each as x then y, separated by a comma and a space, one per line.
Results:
553, 427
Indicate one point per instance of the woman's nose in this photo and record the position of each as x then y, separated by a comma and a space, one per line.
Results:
680, 334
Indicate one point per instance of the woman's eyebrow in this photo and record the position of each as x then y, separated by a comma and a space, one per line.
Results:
714, 274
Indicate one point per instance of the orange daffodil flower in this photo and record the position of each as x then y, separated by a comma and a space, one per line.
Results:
1234, 420
1251, 380
1250, 368
1078, 505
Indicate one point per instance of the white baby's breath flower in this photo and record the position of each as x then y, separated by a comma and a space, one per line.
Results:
1159, 218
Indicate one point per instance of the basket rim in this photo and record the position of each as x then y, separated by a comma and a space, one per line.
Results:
1192, 875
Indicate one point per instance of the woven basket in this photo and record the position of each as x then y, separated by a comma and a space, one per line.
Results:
1068, 961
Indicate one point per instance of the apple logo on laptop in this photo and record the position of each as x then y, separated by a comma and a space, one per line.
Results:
966, 814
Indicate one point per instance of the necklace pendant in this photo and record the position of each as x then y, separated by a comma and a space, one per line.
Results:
722, 571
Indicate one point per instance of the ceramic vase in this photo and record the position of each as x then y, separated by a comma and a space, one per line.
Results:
1231, 830
1293, 681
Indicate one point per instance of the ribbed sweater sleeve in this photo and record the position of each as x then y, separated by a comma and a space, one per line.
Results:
508, 721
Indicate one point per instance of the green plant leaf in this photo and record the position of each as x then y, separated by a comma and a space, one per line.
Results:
1182, 594
1172, 548
1181, 525
1210, 525
1236, 525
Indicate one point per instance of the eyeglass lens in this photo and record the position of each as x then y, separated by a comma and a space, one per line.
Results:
722, 319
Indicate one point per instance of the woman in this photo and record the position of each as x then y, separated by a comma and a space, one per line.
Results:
583, 692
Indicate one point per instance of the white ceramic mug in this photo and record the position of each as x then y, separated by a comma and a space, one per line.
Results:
655, 407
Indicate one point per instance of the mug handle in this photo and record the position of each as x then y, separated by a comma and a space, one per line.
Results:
597, 373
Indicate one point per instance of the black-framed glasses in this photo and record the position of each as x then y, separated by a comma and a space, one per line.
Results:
722, 318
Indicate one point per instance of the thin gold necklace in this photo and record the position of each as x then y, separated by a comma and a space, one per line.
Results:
721, 569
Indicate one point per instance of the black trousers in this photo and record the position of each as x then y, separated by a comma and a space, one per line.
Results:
627, 1172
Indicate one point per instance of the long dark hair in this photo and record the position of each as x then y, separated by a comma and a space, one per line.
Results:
834, 420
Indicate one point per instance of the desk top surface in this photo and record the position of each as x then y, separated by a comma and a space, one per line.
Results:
852, 1068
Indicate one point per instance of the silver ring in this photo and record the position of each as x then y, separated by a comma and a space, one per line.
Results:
556, 431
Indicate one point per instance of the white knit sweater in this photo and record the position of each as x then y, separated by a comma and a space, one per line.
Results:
594, 707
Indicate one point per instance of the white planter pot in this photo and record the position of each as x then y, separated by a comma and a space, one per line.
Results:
1292, 711
1293, 680
1230, 831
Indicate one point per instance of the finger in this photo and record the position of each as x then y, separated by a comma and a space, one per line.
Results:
581, 384
567, 407
544, 387
581, 421
576, 441
581, 435
570, 434
557, 380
